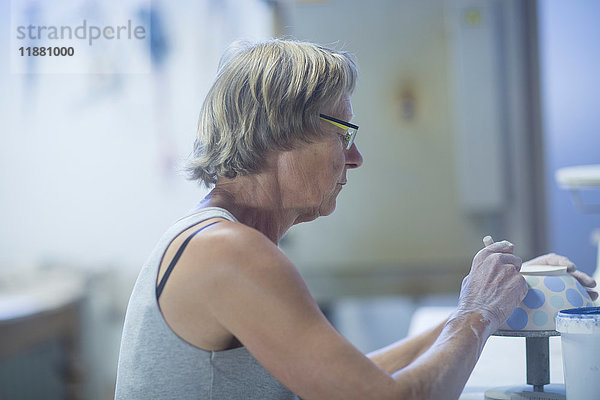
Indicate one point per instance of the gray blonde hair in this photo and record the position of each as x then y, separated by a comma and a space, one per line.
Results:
266, 96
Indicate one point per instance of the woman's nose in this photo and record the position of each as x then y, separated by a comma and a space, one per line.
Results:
353, 157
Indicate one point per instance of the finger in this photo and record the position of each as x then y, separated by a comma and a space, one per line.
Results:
524, 288
503, 260
593, 295
501, 247
487, 241
583, 278
555, 259
536, 260
511, 259
498, 247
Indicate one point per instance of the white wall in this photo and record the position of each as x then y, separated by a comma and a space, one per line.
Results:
403, 208
87, 173
83, 156
570, 61
84, 168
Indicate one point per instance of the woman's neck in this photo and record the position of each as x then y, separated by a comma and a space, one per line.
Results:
256, 204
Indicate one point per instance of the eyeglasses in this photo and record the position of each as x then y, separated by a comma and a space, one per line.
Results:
350, 129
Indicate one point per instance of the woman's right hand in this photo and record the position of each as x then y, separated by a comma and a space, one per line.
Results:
494, 286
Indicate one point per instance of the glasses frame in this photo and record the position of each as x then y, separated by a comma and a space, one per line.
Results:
351, 129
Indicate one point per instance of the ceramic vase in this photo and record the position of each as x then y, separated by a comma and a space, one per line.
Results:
551, 289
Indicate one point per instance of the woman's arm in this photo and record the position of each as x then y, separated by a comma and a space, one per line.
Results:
254, 292
398, 355
442, 371
402, 353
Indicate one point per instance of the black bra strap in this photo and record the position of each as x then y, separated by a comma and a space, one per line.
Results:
163, 281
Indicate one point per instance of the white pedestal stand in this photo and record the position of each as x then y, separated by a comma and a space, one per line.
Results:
538, 371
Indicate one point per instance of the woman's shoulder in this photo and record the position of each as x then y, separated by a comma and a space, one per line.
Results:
235, 235
217, 274
235, 245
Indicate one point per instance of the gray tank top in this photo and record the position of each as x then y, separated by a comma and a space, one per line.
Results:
155, 363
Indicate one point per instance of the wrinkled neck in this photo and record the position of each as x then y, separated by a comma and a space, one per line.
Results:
254, 201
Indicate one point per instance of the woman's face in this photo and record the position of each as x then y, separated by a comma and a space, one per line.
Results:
312, 175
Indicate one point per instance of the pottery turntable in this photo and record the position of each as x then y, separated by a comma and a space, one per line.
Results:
538, 370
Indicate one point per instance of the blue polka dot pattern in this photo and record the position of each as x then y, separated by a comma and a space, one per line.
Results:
582, 290
554, 283
566, 278
574, 297
518, 319
557, 301
535, 298
540, 318
532, 280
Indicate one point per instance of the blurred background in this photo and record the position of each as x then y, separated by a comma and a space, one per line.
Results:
467, 109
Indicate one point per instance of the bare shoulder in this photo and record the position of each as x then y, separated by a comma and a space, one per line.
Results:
238, 235
224, 268
232, 262
235, 247
242, 277
238, 285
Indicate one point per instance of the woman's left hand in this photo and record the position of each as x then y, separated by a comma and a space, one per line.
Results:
555, 259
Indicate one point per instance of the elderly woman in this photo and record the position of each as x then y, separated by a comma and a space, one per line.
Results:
219, 312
